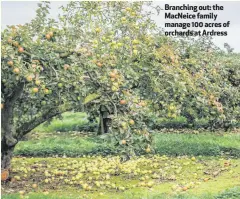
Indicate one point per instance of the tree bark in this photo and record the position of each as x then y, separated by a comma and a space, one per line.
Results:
7, 126
105, 120
103, 125
6, 155
7, 117
8, 139
8, 134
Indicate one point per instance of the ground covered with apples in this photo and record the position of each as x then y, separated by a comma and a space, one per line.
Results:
81, 165
108, 177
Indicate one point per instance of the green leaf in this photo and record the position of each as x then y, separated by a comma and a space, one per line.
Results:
91, 97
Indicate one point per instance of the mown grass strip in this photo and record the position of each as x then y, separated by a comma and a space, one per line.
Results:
164, 143
233, 193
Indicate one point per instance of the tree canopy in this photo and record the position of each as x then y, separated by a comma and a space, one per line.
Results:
111, 54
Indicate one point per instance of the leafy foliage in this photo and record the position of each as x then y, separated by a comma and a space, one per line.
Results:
113, 54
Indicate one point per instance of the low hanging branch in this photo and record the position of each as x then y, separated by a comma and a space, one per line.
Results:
28, 126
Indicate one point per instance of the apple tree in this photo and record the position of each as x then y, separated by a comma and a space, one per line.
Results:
38, 79
194, 79
85, 58
115, 38
216, 78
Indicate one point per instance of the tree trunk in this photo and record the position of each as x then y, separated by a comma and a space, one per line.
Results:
8, 140
8, 131
105, 120
103, 125
107, 123
6, 155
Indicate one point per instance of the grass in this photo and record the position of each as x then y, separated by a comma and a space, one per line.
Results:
204, 167
79, 122
64, 144
232, 193
70, 137
208, 144
69, 122
225, 195
174, 144
127, 196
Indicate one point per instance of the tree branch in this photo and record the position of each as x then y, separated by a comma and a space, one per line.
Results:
97, 84
29, 126
15, 94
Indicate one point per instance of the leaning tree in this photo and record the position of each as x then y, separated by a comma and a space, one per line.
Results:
38, 82
85, 57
